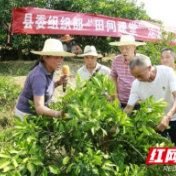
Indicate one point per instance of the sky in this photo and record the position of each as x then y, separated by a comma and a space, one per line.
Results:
163, 10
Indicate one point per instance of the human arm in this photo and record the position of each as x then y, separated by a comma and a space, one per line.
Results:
128, 109
78, 50
168, 116
39, 90
41, 109
62, 80
115, 78
134, 96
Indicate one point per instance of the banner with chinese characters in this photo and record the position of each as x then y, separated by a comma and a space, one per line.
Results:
28, 20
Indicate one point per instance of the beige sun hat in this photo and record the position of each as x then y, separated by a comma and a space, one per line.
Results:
53, 47
89, 51
127, 40
66, 38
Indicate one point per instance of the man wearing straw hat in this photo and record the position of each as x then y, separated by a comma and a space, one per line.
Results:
39, 85
91, 65
120, 71
70, 45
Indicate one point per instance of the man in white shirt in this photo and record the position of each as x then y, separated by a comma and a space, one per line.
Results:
91, 65
168, 57
159, 81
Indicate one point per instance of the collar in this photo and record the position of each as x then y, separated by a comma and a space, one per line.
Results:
85, 68
125, 61
44, 69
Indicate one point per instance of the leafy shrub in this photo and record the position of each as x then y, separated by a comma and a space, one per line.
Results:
153, 49
95, 138
9, 93
16, 68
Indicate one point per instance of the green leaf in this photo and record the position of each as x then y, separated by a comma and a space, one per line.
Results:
37, 162
17, 174
61, 128
54, 169
104, 132
44, 172
4, 155
14, 162
69, 167
66, 160
14, 151
4, 163
30, 167
8, 168
93, 131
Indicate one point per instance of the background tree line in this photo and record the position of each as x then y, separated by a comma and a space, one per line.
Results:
115, 8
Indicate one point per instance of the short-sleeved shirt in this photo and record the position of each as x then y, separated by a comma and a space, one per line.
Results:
39, 82
70, 47
120, 69
85, 74
161, 87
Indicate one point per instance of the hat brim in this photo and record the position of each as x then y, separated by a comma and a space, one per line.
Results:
53, 53
66, 40
99, 55
87, 54
127, 43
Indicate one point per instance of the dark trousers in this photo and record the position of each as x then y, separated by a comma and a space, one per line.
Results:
171, 132
136, 107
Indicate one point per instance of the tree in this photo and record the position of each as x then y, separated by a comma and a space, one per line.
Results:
153, 49
114, 8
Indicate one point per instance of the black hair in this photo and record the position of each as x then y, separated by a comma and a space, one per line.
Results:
169, 49
140, 61
37, 63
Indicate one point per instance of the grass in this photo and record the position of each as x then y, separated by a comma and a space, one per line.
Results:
22, 68
15, 68
9, 93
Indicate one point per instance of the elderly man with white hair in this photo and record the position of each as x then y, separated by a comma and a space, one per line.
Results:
156, 81
120, 72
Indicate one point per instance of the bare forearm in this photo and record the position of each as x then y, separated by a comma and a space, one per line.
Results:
128, 109
78, 50
57, 83
172, 111
115, 80
43, 110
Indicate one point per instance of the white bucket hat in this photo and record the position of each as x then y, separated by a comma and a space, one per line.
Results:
89, 51
127, 40
53, 47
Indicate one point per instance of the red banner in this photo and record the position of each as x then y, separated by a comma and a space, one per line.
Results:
28, 20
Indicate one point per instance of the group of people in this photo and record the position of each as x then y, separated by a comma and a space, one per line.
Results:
132, 73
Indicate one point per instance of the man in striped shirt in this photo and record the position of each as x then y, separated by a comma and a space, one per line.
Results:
120, 71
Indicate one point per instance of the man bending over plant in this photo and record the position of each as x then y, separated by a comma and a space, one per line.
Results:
156, 81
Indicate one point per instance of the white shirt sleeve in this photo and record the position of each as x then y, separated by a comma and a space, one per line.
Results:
172, 80
134, 96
